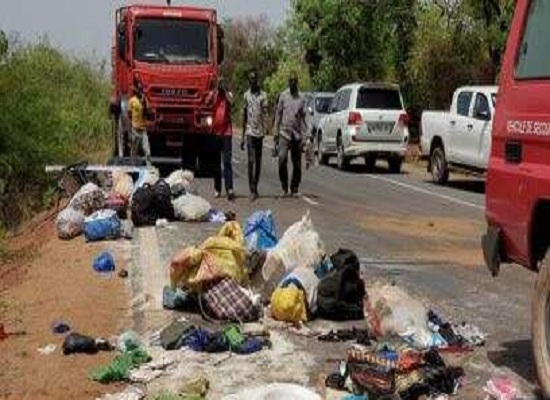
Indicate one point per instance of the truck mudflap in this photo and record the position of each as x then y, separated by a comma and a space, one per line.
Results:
490, 242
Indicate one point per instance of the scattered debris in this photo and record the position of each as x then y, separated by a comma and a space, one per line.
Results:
48, 349
275, 391
129, 341
502, 388
104, 263
60, 327
119, 369
123, 274
77, 343
130, 393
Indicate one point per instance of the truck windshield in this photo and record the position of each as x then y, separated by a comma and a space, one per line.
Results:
382, 99
171, 41
322, 104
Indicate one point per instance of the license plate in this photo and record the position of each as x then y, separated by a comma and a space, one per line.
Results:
380, 128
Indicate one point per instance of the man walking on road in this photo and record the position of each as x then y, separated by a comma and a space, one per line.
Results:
290, 129
254, 130
136, 112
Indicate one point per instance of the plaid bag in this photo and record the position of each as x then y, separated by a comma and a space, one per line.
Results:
226, 301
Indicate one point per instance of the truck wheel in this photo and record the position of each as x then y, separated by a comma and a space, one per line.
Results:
541, 325
370, 163
395, 165
341, 160
440, 169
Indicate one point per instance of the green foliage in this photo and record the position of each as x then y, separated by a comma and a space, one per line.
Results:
54, 110
344, 41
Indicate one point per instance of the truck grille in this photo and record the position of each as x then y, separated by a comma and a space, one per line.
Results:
174, 93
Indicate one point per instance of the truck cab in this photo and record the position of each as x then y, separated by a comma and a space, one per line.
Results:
173, 53
518, 179
461, 137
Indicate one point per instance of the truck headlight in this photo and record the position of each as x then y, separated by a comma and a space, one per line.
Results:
208, 121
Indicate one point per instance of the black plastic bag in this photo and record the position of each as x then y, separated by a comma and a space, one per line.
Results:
77, 343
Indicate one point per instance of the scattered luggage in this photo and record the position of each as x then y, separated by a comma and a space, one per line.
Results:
69, 223
89, 199
102, 225
189, 207
260, 231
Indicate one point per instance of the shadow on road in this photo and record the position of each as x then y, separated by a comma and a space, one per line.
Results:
517, 356
474, 186
360, 168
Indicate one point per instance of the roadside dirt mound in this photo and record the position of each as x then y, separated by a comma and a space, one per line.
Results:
58, 282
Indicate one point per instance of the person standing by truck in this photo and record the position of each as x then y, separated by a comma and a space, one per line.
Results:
136, 112
223, 129
290, 129
254, 130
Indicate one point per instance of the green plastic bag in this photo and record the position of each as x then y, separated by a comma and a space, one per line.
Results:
119, 369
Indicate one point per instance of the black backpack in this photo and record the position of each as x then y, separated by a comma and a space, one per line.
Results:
144, 210
163, 200
341, 292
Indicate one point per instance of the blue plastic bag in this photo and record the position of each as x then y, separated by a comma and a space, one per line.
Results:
102, 225
261, 231
104, 263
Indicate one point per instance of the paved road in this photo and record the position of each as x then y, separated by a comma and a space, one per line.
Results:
406, 230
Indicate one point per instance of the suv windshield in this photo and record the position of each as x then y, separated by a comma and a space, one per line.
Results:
383, 99
322, 104
171, 41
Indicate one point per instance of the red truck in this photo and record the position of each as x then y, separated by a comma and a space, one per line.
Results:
174, 53
518, 180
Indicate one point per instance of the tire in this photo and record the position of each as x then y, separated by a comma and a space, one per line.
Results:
342, 162
439, 167
541, 326
370, 163
395, 165
323, 158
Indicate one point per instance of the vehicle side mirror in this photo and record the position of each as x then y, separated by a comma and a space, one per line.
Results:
483, 115
220, 45
121, 42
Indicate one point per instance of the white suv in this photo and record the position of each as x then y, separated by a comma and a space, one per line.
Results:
365, 120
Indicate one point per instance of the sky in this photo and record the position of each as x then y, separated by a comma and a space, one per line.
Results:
85, 27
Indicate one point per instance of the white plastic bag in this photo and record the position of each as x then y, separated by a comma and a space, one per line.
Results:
402, 315
89, 199
191, 208
275, 391
69, 223
181, 182
300, 246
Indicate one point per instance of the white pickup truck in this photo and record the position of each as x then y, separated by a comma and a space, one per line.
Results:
460, 138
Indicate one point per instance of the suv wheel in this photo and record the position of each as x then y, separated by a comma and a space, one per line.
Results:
541, 325
440, 169
341, 160
395, 165
370, 163
323, 158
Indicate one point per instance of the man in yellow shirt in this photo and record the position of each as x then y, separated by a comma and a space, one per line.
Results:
139, 138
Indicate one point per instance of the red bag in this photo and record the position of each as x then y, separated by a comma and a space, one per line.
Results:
117, 203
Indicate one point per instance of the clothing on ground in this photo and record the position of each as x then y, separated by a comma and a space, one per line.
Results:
294, 147
255, 105
254, 147
290, 116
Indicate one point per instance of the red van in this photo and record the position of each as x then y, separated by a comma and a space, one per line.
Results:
518, 180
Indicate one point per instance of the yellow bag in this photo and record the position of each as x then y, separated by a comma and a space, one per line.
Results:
123, 184
184, 267
288, 304
218, 257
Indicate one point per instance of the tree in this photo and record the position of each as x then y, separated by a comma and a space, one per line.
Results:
343, 40
3, 43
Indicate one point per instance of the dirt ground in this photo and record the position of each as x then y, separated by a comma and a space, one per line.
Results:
53, 280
